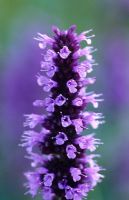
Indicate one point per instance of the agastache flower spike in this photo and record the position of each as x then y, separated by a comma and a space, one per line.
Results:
62, 167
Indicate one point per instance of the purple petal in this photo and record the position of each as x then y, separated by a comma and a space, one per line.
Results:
72, 84
49, 85
47, 193
64, 52
78, 101
78, 125
32, 120
43, 40
68, 192
45, 66
93, 175
33, 182
66, 121
62, 184
75, 173
49, 55
51, 71
38, 103
60, 100
88, 142
48, 179
49, 103
41, 80
61, 138
71, 151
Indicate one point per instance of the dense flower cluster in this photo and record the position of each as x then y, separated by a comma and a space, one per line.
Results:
63, 167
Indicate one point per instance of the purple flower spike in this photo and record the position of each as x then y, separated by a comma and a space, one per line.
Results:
81, 70
63, 166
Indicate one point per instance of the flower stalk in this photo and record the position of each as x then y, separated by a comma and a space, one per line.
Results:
63, 167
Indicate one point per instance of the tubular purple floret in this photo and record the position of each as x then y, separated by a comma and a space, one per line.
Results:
62, 168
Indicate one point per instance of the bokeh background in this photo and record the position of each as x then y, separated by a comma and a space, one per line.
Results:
20, 20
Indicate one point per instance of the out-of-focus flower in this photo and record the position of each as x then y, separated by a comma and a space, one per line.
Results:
62, 170
117, 72
18, 92
18, 77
